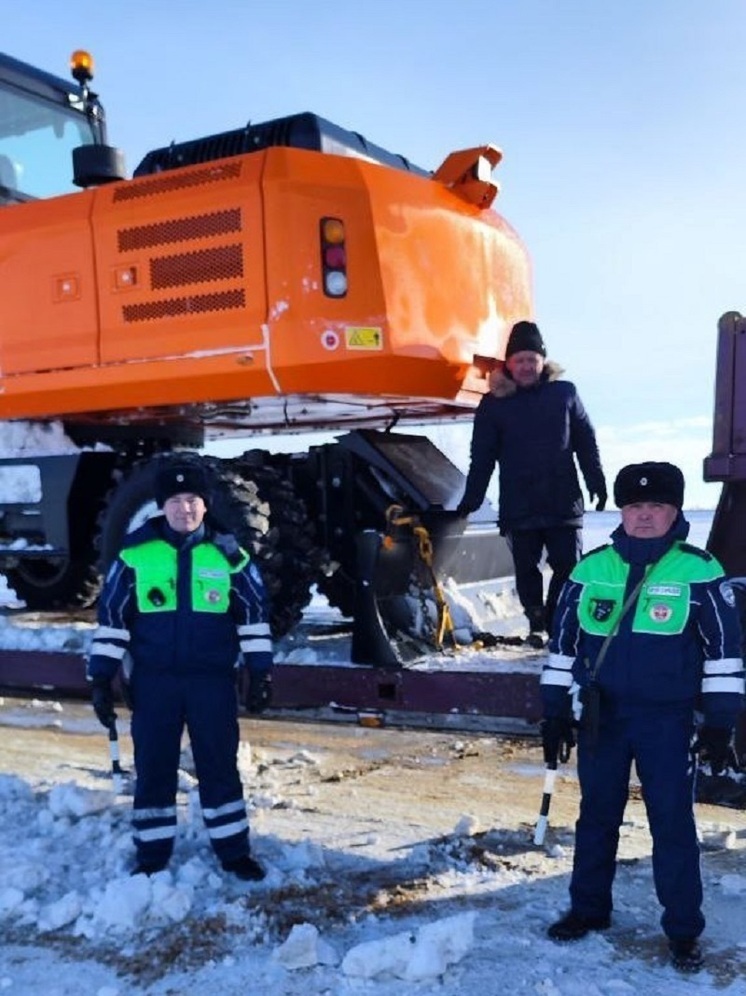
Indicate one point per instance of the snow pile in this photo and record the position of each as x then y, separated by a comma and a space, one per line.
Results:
304, 948
21, 439
8, 597
426, 954
32, 634
68, 874
472, 609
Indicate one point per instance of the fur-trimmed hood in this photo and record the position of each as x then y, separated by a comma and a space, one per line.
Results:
502, 384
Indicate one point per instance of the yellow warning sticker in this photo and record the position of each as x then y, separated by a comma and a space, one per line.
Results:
363, 338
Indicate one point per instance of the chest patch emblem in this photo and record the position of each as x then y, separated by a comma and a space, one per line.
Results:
660, 613
601, 608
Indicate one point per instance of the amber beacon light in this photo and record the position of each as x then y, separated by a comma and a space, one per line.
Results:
81, 66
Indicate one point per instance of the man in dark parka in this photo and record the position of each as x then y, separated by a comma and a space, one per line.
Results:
533, 426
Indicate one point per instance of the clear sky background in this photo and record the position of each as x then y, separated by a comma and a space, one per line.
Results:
621, 122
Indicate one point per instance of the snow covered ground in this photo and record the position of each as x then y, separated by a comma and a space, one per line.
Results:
398, 862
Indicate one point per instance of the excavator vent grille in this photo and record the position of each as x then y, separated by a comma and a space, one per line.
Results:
177, 180
183, 306
202, 266
180, 230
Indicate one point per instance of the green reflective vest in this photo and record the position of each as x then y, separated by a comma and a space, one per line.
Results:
662, 607
155, 567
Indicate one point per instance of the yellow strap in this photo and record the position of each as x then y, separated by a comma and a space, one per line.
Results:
395, 517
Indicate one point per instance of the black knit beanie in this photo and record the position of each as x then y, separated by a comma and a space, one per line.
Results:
525, 336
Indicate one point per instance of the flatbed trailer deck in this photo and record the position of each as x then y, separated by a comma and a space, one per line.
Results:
493, 689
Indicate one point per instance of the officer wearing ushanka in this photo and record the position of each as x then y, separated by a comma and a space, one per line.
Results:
181, 608
647, 643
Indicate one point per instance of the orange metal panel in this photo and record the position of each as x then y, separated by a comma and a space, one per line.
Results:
48, 305
136, 386
181, 262
309, 330
435, 278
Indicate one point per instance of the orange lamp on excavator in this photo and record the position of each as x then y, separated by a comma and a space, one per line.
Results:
81, 66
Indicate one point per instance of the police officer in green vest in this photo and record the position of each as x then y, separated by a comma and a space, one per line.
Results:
181, 608
646, 648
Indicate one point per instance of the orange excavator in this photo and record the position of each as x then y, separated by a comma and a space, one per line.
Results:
283, 277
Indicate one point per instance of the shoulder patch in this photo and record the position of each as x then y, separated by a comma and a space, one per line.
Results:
727, 593
696, 550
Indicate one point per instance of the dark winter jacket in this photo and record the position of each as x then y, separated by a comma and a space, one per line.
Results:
678, 646
181, 605
534, 435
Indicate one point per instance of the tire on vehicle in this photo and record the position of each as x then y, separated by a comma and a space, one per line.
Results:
257, 501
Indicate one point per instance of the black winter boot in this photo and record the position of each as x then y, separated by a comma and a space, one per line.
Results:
686, 954
537, 627
537, 620
572, 926
245, 868
149, 868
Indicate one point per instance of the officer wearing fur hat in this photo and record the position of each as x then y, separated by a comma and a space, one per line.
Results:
533, 426
181, 607
646, 648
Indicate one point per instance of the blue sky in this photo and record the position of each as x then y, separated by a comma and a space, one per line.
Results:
621, 123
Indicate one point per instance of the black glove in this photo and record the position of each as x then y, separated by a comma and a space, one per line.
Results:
713, 747
557, 739
259, 694
102, 698
466, 508
602, 496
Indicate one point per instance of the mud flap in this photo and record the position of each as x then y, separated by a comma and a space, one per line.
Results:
370, 641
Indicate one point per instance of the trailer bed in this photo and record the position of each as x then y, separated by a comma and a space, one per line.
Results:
490, 689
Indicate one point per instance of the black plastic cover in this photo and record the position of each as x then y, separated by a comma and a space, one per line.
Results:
298, 131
